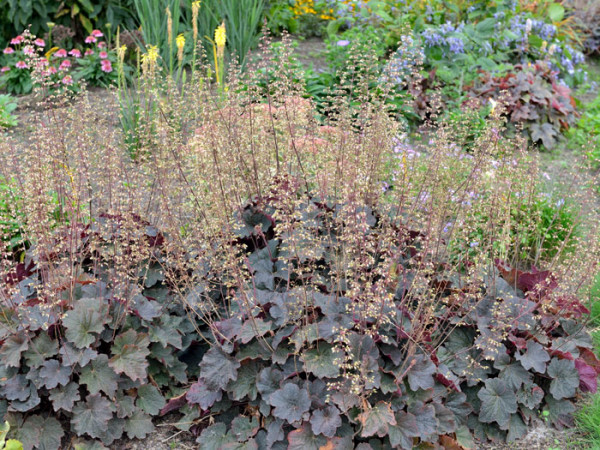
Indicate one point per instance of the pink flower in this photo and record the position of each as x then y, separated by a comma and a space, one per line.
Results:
43, 62
62, 53
106, 66
39, 42
102, 44
64, 65
90, 40
103, 55
97, 33
17, 40
21, 65
8, 50
28, 50
52, 70
89, 52
76, 53
4, 69
68, 80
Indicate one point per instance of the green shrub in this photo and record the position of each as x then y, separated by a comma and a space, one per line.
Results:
7, 106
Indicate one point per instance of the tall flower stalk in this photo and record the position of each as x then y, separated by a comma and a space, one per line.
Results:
219, 52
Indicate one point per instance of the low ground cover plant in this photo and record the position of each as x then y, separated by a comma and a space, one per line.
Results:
280, 277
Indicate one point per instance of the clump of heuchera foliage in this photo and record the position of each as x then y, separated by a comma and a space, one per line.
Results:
314, 277
101, 365
534, 98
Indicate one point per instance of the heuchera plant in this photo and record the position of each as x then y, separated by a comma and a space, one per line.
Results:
300, 368
534, 97
102, 369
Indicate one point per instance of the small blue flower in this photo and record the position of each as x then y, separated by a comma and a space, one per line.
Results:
432, 38
456, 44
343, 43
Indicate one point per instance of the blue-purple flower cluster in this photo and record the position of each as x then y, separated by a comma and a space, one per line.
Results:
446, 35
512, 32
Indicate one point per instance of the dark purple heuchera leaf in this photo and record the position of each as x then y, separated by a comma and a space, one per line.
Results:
420, 374
16, 388
125, 405
588, 378
516, 428
139, 425
199, 394
71, 355
130, 352
275, 432
426, 421
144, 308
254, 328
84, 321
535, 357
445, 418
150, 399
174, 404
565, 378
99, 377
53, 374
290, 402
42, 348
457, 403
515, 375
326, 421
545, 133
559, 412
377, 420
215, 437
530, 395
245, 383
323, 361
269, 380
403, 433
11, 350
218, 368
65, 397
31, 402
498, 402
304, 439
41, 433
244, 428
91, 417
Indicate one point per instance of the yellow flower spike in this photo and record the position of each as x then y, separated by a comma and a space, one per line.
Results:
221, 35
149, 58
121, 52
180, 42
152, 53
